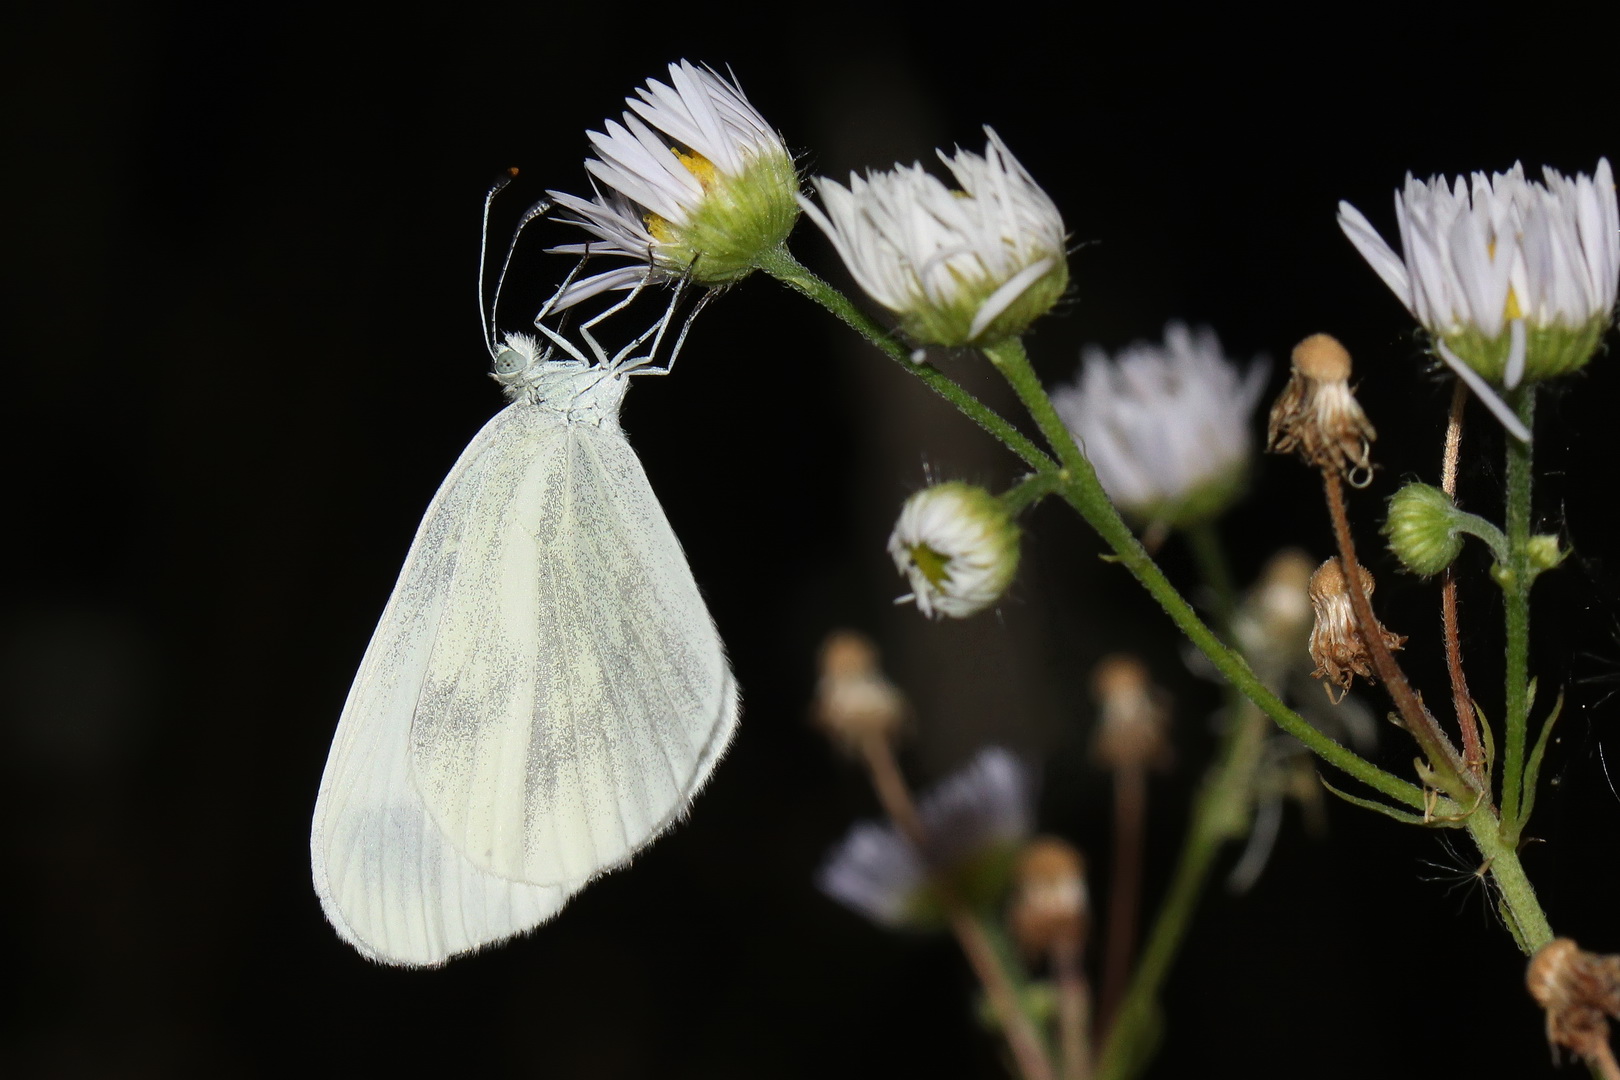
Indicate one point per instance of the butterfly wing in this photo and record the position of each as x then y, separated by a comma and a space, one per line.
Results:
578, 695
388, 879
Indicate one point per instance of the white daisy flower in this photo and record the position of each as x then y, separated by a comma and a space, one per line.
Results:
957, 547
975, 821
1166, 426
972, 266
1515, 279
693, 181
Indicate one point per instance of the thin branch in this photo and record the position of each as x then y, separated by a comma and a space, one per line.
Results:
1027, 1048
1440, 751
1074, 1001
1462, 702
1125, 891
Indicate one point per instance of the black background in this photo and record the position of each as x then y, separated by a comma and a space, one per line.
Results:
242, 351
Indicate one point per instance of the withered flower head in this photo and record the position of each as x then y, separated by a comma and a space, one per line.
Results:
1133, 730
1051, 905
1317, 414
855, 701
1336, 646
1577, 989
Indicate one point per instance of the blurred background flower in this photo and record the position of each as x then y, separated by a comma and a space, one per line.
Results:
975, 821
1168, 427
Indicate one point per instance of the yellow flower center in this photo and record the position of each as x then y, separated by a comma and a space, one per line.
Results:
698, 165
706, 175
931, 563
1511, 309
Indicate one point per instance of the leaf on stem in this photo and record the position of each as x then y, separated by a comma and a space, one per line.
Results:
1388, 811
1532, 769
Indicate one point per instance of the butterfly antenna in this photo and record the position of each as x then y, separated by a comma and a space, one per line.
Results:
539, 209
486, 316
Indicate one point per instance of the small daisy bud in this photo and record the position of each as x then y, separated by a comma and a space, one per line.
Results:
1336, 646
1544, 551
1051, 905
1579, 991
973, 265
854, 701
1317, 414
1133, 731
957, 546
1422, 529
697, 183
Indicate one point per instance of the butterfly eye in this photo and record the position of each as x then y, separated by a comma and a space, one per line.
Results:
510, 362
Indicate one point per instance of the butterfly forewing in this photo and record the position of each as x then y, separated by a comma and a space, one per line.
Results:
578, 695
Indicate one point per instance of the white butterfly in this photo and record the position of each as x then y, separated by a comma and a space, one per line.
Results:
545, 692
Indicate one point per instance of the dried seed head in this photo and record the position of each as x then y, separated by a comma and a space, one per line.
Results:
1336, 646
1051, 905
854, 700
1317, 414
1134, 728
1577, 989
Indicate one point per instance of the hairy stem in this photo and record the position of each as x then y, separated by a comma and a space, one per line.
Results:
789, 271
1462, 702
1516, 579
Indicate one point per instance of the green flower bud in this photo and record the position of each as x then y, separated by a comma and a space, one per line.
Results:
1544, 552
1422, 529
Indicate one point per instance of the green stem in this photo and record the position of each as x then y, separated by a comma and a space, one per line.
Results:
1475, 525
1222, 811
1519, 903
1082, 491
1028, 491
782, 266
1516, 577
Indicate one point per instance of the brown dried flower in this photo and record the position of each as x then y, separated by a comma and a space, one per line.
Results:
1336, 646
1579, 990
854, 700
1317, 413
1051, 905
1134, 728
